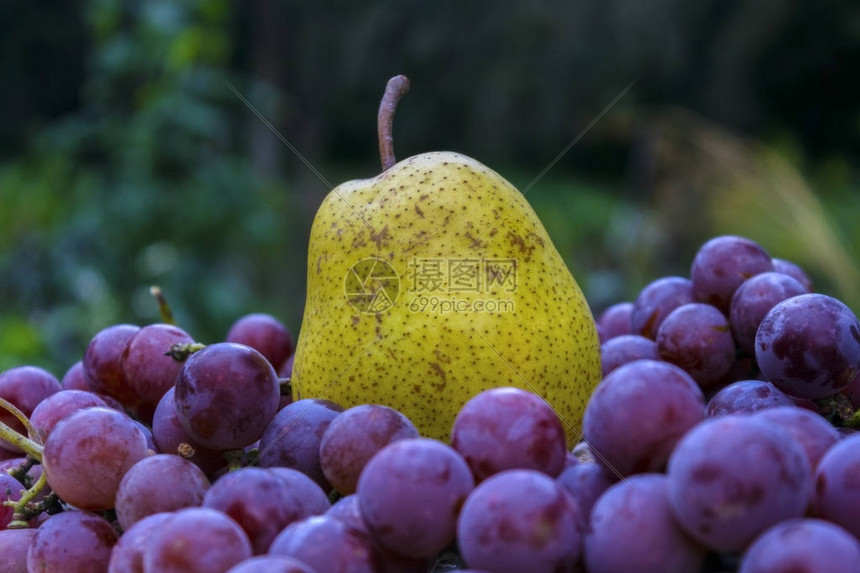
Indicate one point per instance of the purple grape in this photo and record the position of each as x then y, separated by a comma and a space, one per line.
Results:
722, 264
519, 520
732, 477
656, 301
59, 405
156, 484
348, 510
410, 493
753, 300
354, 436
10, 490
148, 370
72, 542
585, 483
746, 397
103, 363
196, 540
88, 453
697, 337
171, 438
24, 387
266, 334
225, 395
14, 544
127, 554
271, 564
637, 415
616, 320
801, 545
837, 489
794, 271
809, 346
315, 500
263, 503
328, 545
75, 378
626, 348
814, 434
635, 515
293, 437
507, 428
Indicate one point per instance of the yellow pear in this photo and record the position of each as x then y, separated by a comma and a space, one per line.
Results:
436, 280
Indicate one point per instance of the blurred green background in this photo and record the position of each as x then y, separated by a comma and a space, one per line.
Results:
126, 160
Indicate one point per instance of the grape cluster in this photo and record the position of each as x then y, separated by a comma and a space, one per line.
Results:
720, 440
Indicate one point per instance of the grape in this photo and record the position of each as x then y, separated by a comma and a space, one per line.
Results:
809, 346
72, 542
271, 564
585, 483
348, 510
24, 387
88, 453
263, 503
697, 337
801, 545
616, 320
315, 500
146, 367
794, 271
293, 437
196, 540
732, 477
10, 490
147, 435
837, 490
127, 554
266, 334
635, 515
14, 544
354, 436
225, 396
722, 264
507, 428
519, 520
156, 484
814, 434
656, 301
75, 378
626, 348
170, 437
410, 493
103, 363
752, 301
328, 545
59, 405
746, 397
638, 413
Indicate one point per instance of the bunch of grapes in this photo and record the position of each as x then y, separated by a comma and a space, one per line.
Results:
719, 440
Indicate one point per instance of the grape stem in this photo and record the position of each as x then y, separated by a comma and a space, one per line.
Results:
394, 90
19, 518
12, 409
29, 447
180, 352
163, 307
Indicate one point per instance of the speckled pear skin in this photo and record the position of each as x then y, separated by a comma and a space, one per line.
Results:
427, 365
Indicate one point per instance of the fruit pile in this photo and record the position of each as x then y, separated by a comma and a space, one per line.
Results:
710, 445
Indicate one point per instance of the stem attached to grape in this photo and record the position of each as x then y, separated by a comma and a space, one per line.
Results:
29, 447
163, 307
20, 516
180, 352
9, 407
394, 90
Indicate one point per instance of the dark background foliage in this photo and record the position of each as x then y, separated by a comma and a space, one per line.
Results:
126, 158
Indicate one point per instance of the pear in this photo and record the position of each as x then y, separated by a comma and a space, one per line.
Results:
433, 281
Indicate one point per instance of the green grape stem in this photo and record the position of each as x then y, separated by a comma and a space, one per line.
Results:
29, 447
9, 407
21, 514
163, 307
180, 352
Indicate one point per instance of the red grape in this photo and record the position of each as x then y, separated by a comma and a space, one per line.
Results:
127, 554
75, 378
88, 453
800, 545
354, 436
837, 489
266, 334
170, 436
14, 544
626, 348
72, 542
410, 493
814, 434
10, 490
59, 405
585, 483
328, 545
753, 300
271, 564
24, 387
722, 264
794, 271
103, 363
656, 301
147, 368
225, 396
616, 320
746, 397
519, 520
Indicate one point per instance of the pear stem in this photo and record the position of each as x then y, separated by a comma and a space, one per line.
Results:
394, 90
